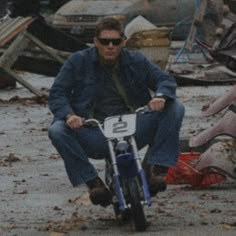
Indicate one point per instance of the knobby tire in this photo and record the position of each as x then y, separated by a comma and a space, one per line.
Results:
137, 210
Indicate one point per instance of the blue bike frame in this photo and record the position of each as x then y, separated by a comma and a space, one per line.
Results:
133, 162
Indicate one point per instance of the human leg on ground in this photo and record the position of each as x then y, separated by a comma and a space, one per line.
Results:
75, 147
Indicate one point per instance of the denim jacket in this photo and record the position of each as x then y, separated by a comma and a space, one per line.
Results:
74, 89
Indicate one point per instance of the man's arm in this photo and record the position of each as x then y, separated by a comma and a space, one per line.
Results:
61, 90
163, 84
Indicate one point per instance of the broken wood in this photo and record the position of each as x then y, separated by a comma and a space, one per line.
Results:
19, 44
11, 54
46, 49
27, 85
198, 19
11, 27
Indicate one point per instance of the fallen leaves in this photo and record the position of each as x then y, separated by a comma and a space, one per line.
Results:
7, 228
12, 158
229, 226
58, 228
56, 234
81, 200
206, 196
26, 101
21, 192
7, 161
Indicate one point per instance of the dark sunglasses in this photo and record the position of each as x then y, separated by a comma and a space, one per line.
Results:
114, 42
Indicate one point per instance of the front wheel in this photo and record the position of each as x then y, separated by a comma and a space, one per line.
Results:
136, 207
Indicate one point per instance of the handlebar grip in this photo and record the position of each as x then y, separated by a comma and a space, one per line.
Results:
90, 122
143, 109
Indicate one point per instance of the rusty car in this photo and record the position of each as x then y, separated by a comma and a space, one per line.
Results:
79, 17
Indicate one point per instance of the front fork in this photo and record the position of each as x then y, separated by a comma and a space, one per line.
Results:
147, 196
116, 176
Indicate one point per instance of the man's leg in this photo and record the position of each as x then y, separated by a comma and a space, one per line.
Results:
160, 130
75, 146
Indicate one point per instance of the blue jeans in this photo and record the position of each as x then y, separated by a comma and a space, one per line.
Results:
159, 130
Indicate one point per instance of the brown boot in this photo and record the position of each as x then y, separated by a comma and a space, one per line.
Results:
99, 194
156, 177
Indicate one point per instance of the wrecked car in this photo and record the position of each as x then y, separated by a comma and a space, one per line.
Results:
79, 17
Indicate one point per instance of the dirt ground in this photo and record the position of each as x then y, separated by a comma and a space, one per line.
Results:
36, 197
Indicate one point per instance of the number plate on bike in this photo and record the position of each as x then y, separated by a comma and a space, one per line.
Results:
120, 126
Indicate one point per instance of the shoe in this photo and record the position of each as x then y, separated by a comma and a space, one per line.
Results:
99, 194
156, 177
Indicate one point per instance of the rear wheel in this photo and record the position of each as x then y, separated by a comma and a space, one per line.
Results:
136, 208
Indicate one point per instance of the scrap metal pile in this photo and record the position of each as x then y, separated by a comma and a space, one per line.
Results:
218, 161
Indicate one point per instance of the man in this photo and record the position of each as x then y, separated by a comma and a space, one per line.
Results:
108, 80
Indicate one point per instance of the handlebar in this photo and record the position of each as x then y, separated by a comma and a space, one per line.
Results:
92, 122
143, 109
96, 123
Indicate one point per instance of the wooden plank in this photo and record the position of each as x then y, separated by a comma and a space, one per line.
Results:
11, 54
19, 44
12, 74
9, 58
45, 48
6, 24
9, 23
198, 19
13, 28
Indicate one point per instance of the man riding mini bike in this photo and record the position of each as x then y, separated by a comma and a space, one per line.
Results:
104, 81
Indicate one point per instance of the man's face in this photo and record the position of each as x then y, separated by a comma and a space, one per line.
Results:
109, 45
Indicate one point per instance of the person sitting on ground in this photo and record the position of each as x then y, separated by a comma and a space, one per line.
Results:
107, 80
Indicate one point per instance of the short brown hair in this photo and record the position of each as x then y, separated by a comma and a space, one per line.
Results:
109, 23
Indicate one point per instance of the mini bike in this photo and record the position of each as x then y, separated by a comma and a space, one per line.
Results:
124, 174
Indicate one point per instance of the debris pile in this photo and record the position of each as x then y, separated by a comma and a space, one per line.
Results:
152, 41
